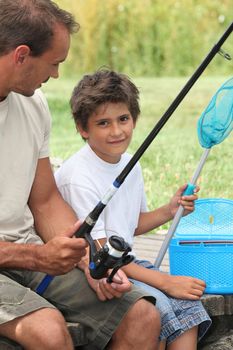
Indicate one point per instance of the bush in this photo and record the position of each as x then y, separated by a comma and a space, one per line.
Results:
148, 38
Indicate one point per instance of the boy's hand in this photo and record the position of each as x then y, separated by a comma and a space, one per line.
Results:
186, 201
184, 287
107, 291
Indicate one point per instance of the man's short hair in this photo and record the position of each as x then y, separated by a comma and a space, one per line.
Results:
31, 23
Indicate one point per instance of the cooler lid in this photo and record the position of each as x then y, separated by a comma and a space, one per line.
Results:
212, 219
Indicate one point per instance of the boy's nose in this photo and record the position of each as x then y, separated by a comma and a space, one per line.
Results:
116, 130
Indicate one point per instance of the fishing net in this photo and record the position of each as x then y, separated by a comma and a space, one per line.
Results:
214, 125
216, 122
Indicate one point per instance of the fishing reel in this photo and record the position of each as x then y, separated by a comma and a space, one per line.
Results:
113, 255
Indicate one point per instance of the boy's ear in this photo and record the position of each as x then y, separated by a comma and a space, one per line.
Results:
82, 132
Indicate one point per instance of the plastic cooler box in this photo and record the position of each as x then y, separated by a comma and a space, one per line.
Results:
202, 245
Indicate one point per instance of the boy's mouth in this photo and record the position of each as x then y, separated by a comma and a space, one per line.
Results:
115, 142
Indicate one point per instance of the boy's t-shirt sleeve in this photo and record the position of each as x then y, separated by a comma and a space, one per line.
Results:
83, 200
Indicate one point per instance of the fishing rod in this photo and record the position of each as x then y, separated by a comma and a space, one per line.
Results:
114, 253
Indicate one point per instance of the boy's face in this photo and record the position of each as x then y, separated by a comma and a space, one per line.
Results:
109, 131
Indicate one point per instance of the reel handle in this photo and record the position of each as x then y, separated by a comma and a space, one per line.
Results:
124, 261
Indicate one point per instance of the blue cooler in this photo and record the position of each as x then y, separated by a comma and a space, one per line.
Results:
202, 245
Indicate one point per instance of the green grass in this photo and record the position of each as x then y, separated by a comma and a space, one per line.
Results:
174, 154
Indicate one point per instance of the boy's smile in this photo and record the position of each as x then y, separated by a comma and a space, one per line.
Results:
109, 131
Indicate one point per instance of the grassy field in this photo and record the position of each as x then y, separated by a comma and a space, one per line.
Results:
173, 156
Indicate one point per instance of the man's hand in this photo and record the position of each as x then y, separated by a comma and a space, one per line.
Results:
105, 290
62, 253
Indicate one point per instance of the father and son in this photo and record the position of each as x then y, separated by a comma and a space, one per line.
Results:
142, 308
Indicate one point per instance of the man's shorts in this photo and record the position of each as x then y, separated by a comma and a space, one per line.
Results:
72, 295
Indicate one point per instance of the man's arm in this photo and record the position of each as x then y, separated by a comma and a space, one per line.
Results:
52, 215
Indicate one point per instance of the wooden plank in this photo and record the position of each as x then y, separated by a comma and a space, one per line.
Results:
147, 247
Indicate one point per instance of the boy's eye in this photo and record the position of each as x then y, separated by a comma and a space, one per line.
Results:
124, 118
102, 123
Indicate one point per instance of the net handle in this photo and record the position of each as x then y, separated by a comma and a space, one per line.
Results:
180, 210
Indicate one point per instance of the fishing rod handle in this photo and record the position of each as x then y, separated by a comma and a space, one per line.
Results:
44, 284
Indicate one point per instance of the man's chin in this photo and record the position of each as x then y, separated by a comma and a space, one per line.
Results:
26, 93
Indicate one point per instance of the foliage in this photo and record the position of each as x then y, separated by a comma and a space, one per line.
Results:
153, 38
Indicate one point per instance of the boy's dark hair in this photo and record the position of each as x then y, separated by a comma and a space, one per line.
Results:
99, 88
31, 22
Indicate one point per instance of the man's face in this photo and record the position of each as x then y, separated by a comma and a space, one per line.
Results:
37, 70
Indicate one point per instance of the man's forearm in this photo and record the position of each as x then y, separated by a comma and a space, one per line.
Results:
19, 256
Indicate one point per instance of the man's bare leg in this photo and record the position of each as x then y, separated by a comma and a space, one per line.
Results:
44, 329
139, 329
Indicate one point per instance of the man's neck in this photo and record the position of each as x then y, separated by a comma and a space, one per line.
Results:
2, 98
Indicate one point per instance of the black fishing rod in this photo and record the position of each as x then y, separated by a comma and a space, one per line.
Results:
115, 253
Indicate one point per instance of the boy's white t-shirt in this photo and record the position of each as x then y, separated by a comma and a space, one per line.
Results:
24, 138
84, 179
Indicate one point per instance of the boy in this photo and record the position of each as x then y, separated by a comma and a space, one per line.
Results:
105, 109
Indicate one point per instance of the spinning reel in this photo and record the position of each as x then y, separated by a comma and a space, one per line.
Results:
113, 255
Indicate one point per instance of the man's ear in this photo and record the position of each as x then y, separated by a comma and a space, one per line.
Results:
21, 53
82, 132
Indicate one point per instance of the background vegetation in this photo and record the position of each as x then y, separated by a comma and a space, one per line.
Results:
172, 157
149, 37
158, 44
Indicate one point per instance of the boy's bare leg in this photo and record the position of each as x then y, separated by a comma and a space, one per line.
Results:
186, 341
44, 329
139, 329
162, 345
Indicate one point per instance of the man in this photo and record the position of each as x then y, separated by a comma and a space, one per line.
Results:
34, 40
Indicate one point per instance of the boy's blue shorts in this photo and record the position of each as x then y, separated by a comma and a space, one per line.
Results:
177, 315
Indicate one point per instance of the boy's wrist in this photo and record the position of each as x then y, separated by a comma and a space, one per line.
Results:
168, 211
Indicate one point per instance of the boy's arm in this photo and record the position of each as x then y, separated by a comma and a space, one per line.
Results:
152, 219
176, 286
155, 218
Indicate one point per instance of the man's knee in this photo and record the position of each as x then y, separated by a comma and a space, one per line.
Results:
146, 314
37, 329
143, 316
140, 328
55, 335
